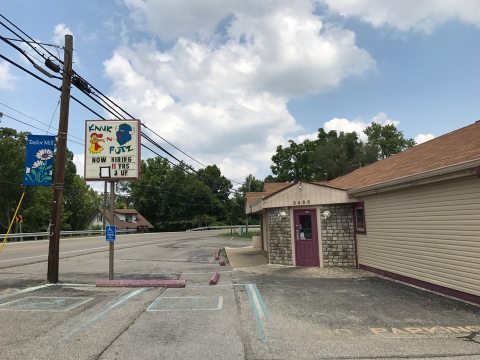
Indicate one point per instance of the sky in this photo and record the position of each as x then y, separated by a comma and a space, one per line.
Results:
227, 81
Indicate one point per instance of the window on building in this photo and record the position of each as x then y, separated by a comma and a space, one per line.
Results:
359, 213
128, 218
99, 218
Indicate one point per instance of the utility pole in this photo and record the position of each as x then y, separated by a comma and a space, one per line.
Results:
53, 250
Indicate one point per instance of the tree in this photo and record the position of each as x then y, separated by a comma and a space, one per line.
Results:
295, 162
213, 178
172, 199
388, 139
335, 154
79, 200
12, 148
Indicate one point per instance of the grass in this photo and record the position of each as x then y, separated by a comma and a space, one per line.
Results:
244, 235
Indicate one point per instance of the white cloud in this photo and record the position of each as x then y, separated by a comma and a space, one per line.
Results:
6, 78
302, 138
358, 125
79, 161
421, 138
220, 90
345, 125
59, 33
406, 15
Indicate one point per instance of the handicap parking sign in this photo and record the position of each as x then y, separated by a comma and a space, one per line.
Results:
110, 232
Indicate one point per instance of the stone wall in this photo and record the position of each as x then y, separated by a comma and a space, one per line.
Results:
338, 242
279, 236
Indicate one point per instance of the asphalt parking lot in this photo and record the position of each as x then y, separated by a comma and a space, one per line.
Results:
333, 316
258, 312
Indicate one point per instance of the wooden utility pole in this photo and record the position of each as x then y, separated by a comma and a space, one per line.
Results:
56, 217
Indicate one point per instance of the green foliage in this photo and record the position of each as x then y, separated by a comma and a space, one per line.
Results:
388, 139
173, 200
80, 201
335, 154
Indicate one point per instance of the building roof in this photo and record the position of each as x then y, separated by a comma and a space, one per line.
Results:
252, 198
141, 221
454, 148
271, 188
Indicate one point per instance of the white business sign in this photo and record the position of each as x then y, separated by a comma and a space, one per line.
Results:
112, 150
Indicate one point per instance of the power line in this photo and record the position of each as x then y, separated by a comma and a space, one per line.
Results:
39, 121
29, 72
37, 128
168, 142
35, 42
103, 97
28, 36
107, 107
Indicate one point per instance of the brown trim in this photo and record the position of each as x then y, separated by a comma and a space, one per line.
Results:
356, 206
357, 265
424, 284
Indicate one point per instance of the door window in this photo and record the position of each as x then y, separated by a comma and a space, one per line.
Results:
305, 227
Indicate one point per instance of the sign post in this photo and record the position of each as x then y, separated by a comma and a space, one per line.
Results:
112, 153
112, 230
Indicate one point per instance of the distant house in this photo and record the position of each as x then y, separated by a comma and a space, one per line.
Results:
124, 219
414, 217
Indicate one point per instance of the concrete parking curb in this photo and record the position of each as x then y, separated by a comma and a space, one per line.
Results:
141, 283
214, 279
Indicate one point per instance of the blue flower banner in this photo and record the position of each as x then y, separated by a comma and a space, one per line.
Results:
39, 160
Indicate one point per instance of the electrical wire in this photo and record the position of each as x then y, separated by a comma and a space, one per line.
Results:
29, 72
39, 121
106, 107
35, 42
28, 36
37, 128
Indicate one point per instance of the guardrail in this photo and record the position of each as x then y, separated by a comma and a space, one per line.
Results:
41, 235
239, 229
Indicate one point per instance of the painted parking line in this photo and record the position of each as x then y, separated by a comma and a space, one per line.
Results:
23, 291
121, 300
45, 303
259, 309
187, 303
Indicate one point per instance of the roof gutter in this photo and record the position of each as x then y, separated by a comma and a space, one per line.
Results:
440, 174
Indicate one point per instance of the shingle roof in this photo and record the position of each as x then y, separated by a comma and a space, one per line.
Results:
141, 221
453, 148
251, 198
271, 188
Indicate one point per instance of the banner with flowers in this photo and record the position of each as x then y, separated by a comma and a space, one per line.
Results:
39, 160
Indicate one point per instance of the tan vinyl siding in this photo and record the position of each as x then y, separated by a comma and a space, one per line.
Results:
429, 233
310, 194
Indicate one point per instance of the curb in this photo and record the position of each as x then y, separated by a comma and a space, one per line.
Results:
217, 254
214, 279
221, 262
141, 283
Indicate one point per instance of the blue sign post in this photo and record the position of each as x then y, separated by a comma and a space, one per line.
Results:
39, 160
110, 233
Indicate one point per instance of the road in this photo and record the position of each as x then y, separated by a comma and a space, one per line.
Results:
263, 312
29, 252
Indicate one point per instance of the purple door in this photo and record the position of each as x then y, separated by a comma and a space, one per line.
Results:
306, 237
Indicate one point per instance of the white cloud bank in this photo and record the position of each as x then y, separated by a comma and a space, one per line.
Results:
7, 80
59, 32
358, 125
409, 15
421, 138
220, 91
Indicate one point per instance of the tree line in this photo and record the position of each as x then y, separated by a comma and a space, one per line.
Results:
174, 198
